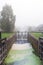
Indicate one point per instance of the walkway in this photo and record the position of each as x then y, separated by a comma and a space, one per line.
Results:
22, 54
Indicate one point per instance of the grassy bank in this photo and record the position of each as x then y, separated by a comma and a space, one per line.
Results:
37, 35
6, 35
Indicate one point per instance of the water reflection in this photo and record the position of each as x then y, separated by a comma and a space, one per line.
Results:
21, 62
21, 41
30, 59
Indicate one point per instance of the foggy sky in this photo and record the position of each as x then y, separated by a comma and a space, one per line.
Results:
28, 12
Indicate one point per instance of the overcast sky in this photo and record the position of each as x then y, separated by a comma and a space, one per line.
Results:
28, 12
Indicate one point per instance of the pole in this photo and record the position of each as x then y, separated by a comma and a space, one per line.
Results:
0, 35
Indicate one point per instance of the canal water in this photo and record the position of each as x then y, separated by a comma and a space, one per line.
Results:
22, 53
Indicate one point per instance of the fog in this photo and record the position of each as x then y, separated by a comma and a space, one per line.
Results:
28, 12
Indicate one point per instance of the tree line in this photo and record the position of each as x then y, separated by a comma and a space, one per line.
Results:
7, 20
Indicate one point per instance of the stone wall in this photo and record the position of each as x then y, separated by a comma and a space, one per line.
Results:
34, 42
5, 46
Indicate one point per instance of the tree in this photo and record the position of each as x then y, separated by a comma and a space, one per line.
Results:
8, 19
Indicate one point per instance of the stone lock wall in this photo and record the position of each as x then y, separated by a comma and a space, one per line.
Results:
5, 46
34, 42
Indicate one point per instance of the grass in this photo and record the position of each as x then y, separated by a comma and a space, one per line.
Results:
37, 35
6, 35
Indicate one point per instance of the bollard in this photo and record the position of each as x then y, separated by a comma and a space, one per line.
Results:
0, 35
0, 32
